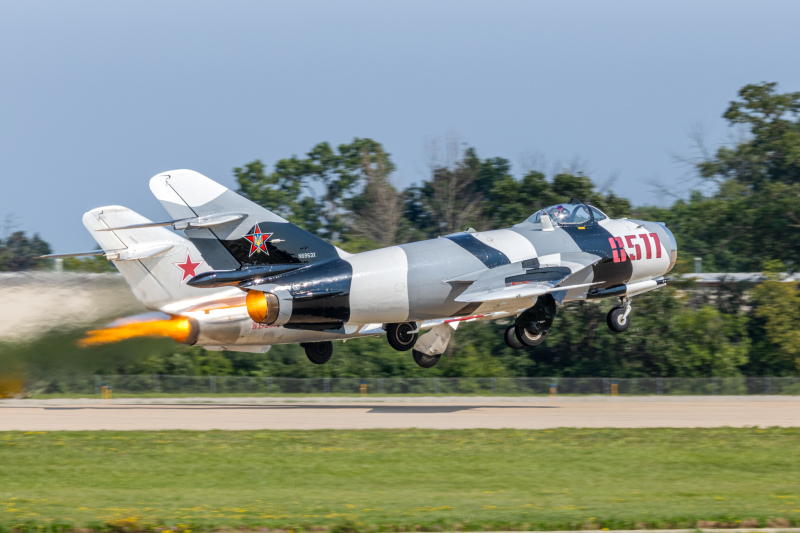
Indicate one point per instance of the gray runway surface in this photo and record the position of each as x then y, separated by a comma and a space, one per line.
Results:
433, 413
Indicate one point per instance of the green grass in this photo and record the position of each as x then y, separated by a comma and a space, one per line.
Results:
400, 479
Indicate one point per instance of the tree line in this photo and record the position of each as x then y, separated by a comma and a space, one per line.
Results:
749, 222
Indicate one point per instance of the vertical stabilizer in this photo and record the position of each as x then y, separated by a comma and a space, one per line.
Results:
260, 238
158, 262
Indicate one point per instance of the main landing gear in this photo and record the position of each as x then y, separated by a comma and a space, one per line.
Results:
402, 337
424, 360
531, 327
510, 336
619, 318
318, 353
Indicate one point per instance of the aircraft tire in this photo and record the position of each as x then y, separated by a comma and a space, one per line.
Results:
617, 321
529, 339
510, 337
424, 360
399, 337
318, 353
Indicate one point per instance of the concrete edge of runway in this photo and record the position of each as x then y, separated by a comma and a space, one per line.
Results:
378, 400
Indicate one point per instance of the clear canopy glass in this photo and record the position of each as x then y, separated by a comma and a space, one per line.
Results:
568, 214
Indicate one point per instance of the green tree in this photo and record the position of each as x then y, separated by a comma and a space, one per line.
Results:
754, 215
312, 192
375, 215
772, 153
777, 312
450, 200
18, 252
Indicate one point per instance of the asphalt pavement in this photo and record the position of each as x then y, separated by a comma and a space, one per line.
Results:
393, 412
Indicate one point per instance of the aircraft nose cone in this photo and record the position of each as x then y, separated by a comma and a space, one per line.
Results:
671, 246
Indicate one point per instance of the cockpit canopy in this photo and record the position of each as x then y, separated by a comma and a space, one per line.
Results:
573, 213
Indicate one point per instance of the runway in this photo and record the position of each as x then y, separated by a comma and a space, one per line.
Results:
432, 413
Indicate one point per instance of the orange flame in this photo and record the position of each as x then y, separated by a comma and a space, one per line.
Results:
178, 328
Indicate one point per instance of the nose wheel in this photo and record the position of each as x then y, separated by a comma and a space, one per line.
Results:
619, 318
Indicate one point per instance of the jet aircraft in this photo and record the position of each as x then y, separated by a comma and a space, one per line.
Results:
247, 279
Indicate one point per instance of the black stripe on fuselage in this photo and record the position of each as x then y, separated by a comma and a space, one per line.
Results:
491, 257
594, 240
320, 293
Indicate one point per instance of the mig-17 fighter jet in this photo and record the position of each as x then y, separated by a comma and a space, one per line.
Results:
247, 278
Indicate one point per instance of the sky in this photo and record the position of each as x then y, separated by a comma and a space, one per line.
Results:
97, 97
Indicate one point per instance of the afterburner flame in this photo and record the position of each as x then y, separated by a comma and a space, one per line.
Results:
178, 328
263, 307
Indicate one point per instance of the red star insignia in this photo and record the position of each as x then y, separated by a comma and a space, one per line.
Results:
188, 267
258, 240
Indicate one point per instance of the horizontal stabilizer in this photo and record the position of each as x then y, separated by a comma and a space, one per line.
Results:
210, 221
141, 251
132, 253
154, 261
76, 254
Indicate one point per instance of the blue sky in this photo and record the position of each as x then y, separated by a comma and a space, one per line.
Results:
97, 97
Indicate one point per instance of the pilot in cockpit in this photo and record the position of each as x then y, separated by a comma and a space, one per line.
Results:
559, 214
573, 213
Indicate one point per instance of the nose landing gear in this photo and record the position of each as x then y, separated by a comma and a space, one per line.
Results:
619, 318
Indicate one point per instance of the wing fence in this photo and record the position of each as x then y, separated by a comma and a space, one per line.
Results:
249, 385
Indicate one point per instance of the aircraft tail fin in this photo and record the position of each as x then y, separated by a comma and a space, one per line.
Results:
155, 262
251, 236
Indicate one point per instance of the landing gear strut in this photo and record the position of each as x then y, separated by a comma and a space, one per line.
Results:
619, 318
318, 353
532, 325
400, 336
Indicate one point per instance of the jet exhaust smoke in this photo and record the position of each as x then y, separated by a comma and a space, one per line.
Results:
35, 304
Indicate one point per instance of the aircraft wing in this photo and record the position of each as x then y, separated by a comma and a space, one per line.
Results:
531, 278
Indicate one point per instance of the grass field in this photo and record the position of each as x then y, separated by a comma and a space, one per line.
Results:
401, 479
